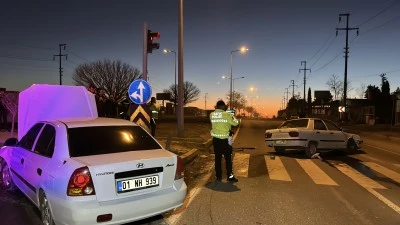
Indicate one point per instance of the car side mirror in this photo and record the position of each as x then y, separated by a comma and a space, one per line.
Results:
11, 142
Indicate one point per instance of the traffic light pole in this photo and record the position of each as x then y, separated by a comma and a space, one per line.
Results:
144, 71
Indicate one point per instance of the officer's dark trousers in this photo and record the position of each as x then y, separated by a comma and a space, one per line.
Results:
221, 147
153, 124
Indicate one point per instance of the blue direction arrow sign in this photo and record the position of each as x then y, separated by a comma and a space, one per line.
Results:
139, 91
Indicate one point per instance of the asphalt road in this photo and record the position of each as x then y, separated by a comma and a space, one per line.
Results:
363, 188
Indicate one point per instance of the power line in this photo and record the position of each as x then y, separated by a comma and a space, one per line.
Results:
35, 47
60, 57
74, 54
381, 25
24, 58
379, 13
378, 74
330, 44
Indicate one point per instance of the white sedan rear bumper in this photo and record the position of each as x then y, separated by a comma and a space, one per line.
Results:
287, 143
123, 211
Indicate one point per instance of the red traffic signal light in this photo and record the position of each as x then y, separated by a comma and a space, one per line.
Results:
151, 37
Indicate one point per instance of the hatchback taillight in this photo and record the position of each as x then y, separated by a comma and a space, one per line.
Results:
293, 134
80, 183
268, 135
180, 169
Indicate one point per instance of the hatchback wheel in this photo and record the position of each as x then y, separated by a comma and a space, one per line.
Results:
45, 212
6, 179
311, 149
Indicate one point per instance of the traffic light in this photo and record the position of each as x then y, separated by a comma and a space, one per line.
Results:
151, 37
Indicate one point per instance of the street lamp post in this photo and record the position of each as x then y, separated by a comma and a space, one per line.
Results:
243, 49
176, 97
233, 88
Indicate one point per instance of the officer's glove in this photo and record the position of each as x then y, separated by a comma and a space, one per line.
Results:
230, 140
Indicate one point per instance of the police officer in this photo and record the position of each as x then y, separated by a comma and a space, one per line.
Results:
221, 122
154, 115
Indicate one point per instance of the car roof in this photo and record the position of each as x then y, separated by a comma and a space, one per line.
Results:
94, 121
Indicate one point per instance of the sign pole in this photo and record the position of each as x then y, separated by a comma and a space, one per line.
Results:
144, 71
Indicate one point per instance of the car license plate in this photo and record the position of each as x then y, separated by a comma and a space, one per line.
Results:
137, 183
280, 142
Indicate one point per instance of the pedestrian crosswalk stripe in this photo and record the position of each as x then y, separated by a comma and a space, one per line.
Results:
315, 173
398, 165
276, 169
241, 164
383, 170
356, 176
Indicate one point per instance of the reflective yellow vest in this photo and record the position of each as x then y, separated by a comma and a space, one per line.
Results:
154, 111
222, 122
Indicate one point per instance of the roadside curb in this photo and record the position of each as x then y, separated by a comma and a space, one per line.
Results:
385, 136
207, 144
189, 156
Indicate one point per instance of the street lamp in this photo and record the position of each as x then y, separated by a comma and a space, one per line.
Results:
166, 51
243, 50
233, 88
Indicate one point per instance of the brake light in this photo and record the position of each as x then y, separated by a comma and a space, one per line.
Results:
180, 169
80, 183
293, 134
268, 135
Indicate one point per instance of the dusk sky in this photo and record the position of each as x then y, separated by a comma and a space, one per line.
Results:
280, 34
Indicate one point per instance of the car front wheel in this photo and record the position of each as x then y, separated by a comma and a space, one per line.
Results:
311, 149
6, 179
351, 146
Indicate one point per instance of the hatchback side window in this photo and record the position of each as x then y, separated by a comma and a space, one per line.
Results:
28, 140
45, 144
331, 126
319, 125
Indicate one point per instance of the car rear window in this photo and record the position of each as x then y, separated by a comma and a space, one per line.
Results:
294, 123
85, 141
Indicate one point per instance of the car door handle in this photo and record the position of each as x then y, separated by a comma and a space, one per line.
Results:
22, 161
39, 171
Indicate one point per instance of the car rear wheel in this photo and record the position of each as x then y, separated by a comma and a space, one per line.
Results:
45, 212
6, 179
279, 150
311, 149
351, 146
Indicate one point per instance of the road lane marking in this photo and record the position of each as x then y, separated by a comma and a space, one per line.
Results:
398, 165
389, 203
241, 164
356, 176
383, 170
276, 169
315, 173
382, 149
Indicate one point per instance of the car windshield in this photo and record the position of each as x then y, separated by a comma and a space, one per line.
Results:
294, 123
85, 141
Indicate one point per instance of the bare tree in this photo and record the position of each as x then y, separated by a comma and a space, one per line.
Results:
112, 76
335, 85
238, 100
190, 92
10, 101
361, 91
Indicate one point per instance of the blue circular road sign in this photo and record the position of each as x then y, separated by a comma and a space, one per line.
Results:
139, 91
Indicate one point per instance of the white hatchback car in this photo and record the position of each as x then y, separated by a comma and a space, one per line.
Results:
311, 135
93, 170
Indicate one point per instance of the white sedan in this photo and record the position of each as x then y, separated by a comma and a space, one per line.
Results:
312, 135
93, 170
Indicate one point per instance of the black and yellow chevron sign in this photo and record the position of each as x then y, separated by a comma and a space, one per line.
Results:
141, 116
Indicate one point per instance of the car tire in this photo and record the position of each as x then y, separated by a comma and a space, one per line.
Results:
45, 211
311, 149
351, 147
6, 179
279, 150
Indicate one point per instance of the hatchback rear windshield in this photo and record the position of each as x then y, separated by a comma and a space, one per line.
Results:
294, 123
85, 141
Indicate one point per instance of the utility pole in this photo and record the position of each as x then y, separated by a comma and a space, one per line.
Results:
305, 71
61, 55
346, 56
292, 85
180, 71
144, 66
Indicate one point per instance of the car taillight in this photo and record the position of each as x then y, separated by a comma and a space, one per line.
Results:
293, 134
180, 169
268, 135
80, 183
